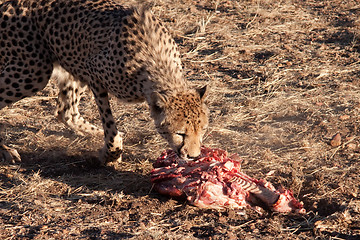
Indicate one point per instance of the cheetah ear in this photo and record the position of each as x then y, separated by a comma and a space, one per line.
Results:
202, 92
157, 102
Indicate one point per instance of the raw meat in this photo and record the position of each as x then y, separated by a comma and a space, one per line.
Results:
214, 180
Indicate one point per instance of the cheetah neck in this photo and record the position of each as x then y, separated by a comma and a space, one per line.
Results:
165, 87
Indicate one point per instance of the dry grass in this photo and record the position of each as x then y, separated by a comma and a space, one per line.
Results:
283, 78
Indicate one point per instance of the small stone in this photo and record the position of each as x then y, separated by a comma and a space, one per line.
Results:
352, 146
344, 117
336, 140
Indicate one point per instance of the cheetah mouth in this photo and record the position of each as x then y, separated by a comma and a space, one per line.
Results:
185, 160
184, 157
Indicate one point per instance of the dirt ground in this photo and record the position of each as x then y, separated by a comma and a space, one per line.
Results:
283, 79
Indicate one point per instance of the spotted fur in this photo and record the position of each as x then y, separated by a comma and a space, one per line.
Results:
110, 48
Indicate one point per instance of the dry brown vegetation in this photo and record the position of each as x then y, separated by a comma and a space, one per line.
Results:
283, 79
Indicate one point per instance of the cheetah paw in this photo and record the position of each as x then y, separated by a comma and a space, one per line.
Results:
8, 154
107, 157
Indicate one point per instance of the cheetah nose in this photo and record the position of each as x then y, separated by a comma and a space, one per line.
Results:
185, 154
194, 155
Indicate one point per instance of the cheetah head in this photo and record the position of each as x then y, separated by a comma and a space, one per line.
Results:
182, 120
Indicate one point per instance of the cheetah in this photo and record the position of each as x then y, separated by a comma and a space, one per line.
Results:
109, 48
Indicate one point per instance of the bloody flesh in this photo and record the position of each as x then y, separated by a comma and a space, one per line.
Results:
214, 180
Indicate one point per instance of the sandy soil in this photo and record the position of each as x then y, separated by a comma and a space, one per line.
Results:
283, 79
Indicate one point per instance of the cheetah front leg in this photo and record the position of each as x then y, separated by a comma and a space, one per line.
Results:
113, 148
17, 82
